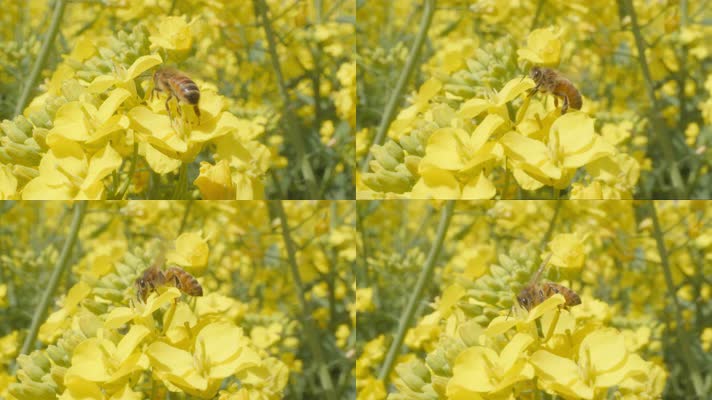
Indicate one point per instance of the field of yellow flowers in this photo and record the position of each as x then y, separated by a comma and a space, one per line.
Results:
275, 319
276, 102
355, 199
438, 314
445, 108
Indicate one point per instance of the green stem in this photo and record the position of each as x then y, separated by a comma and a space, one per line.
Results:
537, 14
123, 190
425, 277
296, 140
59, 268
683, 342
657, 123
552, 225
184, 221
312, 336
41, 57
405, 75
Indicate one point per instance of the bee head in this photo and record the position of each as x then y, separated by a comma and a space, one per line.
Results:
523, 301
535, 73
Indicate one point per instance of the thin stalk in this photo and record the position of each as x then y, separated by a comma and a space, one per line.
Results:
261, 9
552, 225
657, 123
60, 266
311, 333
123, 190
537, 14
405, 75
683, 342
186, 212
425, 277
41, 57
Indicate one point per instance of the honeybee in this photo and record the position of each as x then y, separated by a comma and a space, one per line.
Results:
551, 81
534, 293
154, 277
177, 84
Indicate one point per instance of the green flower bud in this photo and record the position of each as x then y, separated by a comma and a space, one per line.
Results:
23, 173
383, 158
437, 361
21, 154
33, 371
40, 137
40, 360
58, 355
12, 131
411, 145
32, 390
41, 118
24, 124
394, 150
412, 376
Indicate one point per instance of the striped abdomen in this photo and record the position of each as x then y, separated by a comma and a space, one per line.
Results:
185, 89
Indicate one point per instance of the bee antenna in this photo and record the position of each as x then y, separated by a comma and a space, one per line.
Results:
541, 268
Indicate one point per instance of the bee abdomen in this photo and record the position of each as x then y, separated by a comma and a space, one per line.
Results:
575, 100
189, 90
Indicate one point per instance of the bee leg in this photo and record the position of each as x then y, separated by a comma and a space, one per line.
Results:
179, 108
565, 107
177, 282
556, 102
197, 111
168, 109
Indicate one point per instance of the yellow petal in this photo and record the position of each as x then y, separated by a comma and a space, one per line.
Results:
70, 122
154, 302
532, 154
484, 130
430, 88
513, 89
471, 372
111, 104
157, 129
543, 47
473, 107
218, 342
478, 188
561, 370
436, 183
142, 64
500, 325
177, 365
568, 250
88, 361
129, 342
514, 350
101, 84
215, 181
173, 34
175, 325
8, 183
547, 305
191, 251
103, 163
159, 162
118, 317
444, 148
605, 349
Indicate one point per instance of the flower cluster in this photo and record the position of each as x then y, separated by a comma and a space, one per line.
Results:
471, 338
474, 67
242, 338
452, 142
97, 130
